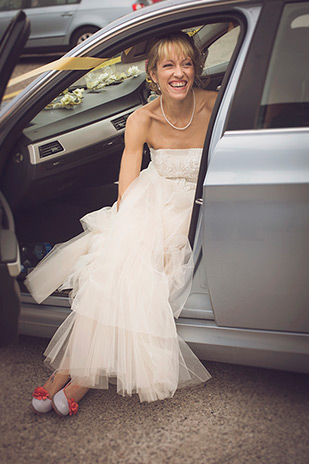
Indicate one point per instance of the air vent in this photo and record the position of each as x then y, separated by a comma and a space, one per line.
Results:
120, 123
50, 149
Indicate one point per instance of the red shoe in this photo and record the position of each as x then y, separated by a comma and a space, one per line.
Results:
63, 405
41, 402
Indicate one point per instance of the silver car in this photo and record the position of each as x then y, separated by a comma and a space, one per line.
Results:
58, 25
60, 155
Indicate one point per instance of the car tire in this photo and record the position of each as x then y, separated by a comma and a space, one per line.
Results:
82, 34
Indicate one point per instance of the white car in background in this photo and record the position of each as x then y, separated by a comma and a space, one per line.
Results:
58, 25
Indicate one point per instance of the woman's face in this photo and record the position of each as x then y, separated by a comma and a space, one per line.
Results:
174, 74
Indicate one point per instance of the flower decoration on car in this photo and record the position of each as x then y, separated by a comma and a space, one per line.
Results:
67, 99
101, 77
95, 80
133, 71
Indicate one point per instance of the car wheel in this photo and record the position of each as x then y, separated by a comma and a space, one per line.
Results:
82, 34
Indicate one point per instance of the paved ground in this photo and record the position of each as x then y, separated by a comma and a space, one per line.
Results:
242, 415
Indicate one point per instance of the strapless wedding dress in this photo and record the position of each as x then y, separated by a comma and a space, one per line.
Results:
130, 273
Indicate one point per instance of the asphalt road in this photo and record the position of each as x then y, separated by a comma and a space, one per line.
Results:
242, 415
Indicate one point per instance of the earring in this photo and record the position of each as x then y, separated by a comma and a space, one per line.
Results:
158, 85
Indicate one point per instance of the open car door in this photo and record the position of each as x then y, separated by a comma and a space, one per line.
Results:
11, 46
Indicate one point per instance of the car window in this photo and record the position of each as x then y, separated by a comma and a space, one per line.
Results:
285, 100
116, 70
7, 5
218, 55
125, 72
220, 51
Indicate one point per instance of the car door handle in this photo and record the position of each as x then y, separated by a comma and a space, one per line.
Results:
199, 201
67, 14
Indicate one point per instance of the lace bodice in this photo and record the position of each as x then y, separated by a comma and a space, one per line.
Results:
177, 164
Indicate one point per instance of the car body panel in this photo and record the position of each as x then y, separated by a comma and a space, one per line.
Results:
256, 229
105, 15
261, 348
9, 269
53, 26
50, 26
11, 45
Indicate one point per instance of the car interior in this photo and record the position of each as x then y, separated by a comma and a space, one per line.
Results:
66, 161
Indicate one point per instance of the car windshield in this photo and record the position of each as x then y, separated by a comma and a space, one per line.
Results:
124, 66
108, 88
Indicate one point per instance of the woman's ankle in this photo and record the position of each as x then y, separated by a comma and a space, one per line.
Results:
76, 392
56, 382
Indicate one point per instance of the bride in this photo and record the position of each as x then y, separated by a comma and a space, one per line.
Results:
131, 268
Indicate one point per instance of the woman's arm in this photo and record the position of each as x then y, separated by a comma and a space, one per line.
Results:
135, 137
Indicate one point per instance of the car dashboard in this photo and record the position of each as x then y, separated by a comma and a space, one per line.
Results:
62, 149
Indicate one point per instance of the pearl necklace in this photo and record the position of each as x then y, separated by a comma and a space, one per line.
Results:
172, 125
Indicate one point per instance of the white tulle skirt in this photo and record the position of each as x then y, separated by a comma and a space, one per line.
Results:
130, 273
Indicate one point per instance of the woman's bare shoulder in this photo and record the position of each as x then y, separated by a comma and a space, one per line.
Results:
138, 125
144, 115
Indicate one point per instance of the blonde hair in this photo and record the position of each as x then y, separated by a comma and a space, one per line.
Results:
160, 47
